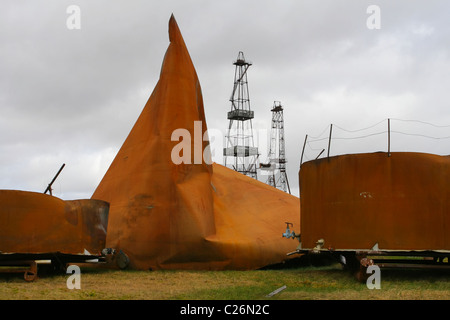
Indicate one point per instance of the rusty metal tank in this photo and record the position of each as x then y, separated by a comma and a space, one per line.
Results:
376, 202
37, 223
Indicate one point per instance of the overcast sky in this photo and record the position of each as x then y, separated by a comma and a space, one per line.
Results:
72, 95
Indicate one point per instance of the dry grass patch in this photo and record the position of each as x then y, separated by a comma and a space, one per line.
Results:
328, 282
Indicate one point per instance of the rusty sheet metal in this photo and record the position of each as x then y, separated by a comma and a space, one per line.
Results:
33, 223
362, 201
193, 215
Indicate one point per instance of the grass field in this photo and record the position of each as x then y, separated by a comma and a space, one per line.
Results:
329, 282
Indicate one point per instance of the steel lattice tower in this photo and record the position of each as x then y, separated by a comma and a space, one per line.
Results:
240, 154
276, 167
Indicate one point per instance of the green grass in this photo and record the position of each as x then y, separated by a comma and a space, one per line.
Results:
329, 282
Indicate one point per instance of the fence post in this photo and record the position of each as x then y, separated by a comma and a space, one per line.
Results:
320, 154
389, 137
329, 140
303, 150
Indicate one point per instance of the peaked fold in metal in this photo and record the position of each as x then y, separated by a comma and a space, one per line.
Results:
192, 215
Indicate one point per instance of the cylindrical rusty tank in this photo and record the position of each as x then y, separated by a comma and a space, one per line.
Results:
37, 223
363, 202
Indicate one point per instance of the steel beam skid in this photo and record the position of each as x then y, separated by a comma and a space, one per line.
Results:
356, 262
28, 262
396, 260
28, 268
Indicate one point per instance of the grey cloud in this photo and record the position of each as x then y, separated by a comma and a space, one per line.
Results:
73, 95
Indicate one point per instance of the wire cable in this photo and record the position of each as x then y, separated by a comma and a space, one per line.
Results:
421, 135
422, 122
370, 127
317, 137
359, 137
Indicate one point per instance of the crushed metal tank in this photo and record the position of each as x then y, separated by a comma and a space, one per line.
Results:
33, 222
36, 226
195, 214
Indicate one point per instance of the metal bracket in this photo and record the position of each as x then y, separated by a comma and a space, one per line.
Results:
319, 246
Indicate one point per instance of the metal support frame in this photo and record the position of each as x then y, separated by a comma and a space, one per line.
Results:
277, 150
240, 153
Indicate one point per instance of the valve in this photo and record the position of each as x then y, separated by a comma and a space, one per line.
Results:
288, 233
